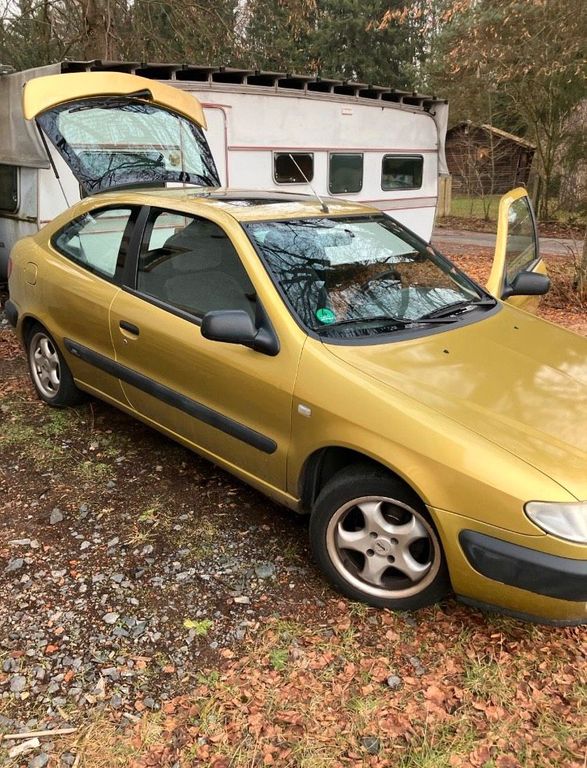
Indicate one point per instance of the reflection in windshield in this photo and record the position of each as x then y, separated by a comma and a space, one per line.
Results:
358, 276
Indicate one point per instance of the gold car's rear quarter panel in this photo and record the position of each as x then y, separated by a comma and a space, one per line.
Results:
69, 301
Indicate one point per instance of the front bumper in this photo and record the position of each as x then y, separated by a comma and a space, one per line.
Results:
535, 577
561, 577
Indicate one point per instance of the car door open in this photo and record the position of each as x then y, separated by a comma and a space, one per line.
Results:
518, 274
118, 130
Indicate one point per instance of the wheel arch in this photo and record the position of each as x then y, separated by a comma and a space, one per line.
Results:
25, 324
28, 322
326, 462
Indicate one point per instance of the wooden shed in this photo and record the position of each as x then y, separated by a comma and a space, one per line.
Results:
484, 160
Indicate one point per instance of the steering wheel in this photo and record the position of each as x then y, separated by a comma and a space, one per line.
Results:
388, 274
396, 279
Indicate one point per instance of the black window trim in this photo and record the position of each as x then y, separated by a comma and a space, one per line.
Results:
12, 211
354, 192
133, 221
403, 156
274, 155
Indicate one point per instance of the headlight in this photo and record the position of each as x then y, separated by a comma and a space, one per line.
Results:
567, 520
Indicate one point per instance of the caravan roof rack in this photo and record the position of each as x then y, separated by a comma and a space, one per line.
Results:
204, 73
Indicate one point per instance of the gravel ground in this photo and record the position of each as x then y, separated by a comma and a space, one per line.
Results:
127, 564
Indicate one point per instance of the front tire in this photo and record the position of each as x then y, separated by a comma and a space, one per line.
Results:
374, 540
49, 372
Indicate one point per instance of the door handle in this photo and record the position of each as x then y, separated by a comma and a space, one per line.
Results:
130, 327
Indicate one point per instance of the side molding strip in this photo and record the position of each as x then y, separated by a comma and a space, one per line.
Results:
173, 398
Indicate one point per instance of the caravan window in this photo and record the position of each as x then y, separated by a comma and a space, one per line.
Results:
291, 167
346, 173
401, 172
8, 188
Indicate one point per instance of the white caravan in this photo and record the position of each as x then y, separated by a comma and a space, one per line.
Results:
266, 130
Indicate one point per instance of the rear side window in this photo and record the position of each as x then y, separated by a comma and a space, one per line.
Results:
291, 167
98, 241
8, 188
401, 172
345, 173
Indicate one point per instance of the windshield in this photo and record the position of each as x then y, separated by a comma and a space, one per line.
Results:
361, 275
120, 141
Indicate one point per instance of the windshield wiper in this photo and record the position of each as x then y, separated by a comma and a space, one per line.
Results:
397, 322
456, 308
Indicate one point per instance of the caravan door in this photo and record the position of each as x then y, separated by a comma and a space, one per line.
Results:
118, 130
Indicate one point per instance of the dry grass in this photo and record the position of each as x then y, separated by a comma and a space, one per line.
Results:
315, 696
99, 742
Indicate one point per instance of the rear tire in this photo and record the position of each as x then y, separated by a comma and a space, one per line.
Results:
49, 372
375, 542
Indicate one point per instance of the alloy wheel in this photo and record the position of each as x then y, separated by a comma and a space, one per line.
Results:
45, 365
383, 547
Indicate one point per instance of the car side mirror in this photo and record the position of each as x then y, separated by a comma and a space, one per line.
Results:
527, 284
234, 326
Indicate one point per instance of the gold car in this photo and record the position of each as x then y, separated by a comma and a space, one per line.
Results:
435, 432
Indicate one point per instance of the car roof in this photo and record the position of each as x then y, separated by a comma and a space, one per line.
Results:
242, 205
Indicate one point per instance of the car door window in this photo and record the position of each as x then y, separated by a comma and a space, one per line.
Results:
189, 263
98, 241
521, 250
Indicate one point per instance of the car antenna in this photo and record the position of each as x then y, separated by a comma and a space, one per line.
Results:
323, 205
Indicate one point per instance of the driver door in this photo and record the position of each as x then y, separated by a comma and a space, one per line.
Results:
516, 249
230, 403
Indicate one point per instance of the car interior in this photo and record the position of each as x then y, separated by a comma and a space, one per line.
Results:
196, 268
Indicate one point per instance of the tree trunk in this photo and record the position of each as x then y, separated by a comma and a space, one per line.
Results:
99, 41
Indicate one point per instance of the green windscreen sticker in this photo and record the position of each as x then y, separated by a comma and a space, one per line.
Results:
325, 315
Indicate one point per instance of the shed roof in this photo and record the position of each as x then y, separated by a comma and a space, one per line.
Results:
497, 132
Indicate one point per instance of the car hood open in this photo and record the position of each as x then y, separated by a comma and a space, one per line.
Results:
512, 378
118, 130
